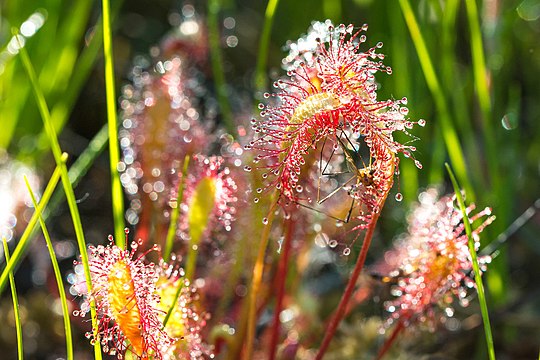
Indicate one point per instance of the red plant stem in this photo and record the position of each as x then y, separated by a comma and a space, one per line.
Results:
388, 343
340, 311
281, 279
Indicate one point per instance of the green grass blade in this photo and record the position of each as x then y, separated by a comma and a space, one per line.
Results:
171, 233
173, 305
261, 79
217, 65
15, 299
476, 268
57, 275
114, 150
448, 131
70, 195
24, 241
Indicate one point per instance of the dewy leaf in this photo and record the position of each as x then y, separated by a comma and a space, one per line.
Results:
201, 206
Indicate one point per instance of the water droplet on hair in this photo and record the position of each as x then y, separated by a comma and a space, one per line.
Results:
247, 168
399, 196
265, 221
379, 44
332, 243
418, 164
260, 106
347, 251
422, 122
256, 200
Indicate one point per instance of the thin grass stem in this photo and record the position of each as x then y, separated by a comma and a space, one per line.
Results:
174, 302
114, 150
171, 233
80, 167
214, 7
24, 241
261, 78
256, 281
68, 189
15, 299
57, 276
476, 268
449, 133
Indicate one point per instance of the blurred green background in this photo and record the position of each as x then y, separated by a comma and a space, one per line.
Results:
475, 81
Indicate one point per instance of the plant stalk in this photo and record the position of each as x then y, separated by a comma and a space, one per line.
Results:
388, 343
256, 283
281, 280
342, 307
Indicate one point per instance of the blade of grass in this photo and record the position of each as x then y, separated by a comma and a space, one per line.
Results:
24, 241
476, 268
173, 304
82, 69
57, 276
261, 79
256, 281
85, 160
114, 150
501, 196
453, 146
402, 85
171, 233
217, 65
16, 314
68, 189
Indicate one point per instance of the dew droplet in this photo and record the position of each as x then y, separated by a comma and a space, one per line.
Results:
418, 164
265, 221
332, 243
347, 251
247, 168
399, 196
422, 122
256, 200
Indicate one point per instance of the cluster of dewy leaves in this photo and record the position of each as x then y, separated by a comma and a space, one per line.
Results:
209, 198
329, 97
432, 262
133, 298
165, 118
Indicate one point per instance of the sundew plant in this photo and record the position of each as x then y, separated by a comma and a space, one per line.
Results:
284, 180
